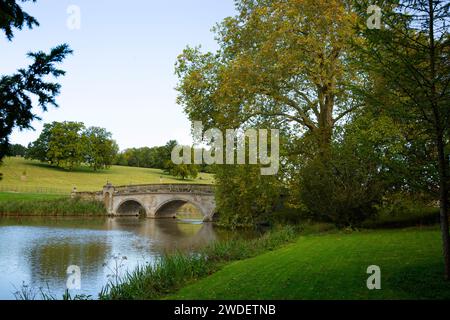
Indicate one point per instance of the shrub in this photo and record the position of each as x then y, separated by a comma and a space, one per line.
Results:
401, 210
343, 191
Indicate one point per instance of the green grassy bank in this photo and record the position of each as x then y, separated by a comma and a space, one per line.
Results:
282, 265
27, 176
17, 204
333, 266
173, 271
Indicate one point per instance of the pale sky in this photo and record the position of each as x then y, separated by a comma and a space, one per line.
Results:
121, 76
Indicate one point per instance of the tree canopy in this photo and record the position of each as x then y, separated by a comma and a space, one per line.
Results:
70, 144
13, 17
16, 90
289, 61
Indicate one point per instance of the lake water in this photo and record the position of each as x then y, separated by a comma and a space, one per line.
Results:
36, 252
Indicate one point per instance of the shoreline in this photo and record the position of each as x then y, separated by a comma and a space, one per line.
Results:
22, 205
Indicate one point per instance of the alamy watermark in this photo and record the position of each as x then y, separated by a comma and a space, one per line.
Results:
374, 281
74, 18
74, 278
374, 20
231, 148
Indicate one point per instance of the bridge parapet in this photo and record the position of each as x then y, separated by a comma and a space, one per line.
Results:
165, 188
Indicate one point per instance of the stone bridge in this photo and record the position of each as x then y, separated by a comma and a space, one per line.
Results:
155, 200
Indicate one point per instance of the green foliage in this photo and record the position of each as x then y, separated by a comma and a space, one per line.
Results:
50, 206
65, 147
15, 101
155, 157
362, 167
408, 61
100, 148
340, 191
353, 104
28, 293
12, 16
181, 170
16, 150
278, 66
243, 196
68, 145
401, 210
160, 158
276, 61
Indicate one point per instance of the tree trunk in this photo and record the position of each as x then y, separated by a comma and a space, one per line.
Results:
325, 124
444, 204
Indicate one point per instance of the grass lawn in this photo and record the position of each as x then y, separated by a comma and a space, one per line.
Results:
28, 176
333, 266
12, 196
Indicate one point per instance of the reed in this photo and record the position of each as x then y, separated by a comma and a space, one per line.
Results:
49, 206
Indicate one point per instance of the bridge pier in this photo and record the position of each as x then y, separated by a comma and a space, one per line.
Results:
208, 219
108, 194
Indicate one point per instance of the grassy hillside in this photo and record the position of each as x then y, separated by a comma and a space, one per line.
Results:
28, 176
334, 266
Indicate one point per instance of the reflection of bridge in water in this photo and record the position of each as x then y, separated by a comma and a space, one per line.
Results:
167, 235
156, 200
92, 245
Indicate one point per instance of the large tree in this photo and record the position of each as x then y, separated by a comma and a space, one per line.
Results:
410, 60
61, 144
281, 64
289, 61
100, 148
68, 144
16, 90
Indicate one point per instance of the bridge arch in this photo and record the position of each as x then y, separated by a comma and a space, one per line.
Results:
175, 204
131, 207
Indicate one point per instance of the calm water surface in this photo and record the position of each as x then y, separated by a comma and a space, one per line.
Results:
37, 251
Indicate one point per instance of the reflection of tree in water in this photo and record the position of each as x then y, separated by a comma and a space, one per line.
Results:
95, 223
168, 234
189, 229
50, 261
180, 209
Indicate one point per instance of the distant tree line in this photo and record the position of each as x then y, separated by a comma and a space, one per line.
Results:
159, 158
70, 144
155, 157
16, 150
